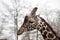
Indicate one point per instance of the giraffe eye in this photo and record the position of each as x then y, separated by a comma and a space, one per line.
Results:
30, 21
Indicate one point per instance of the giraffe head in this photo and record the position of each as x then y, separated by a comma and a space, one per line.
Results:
29, 22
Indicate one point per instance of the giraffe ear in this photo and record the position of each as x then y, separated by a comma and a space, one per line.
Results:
26, 19
33, 12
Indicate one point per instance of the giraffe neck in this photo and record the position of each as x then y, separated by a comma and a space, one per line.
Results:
46, 30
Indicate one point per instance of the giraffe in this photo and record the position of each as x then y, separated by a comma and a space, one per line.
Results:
33, 21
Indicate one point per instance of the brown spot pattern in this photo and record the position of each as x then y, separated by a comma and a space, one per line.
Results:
50, 35
44, 35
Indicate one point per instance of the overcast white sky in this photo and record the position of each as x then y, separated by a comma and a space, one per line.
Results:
51, 4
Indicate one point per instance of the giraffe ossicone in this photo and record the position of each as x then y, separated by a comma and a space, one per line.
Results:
35, 22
